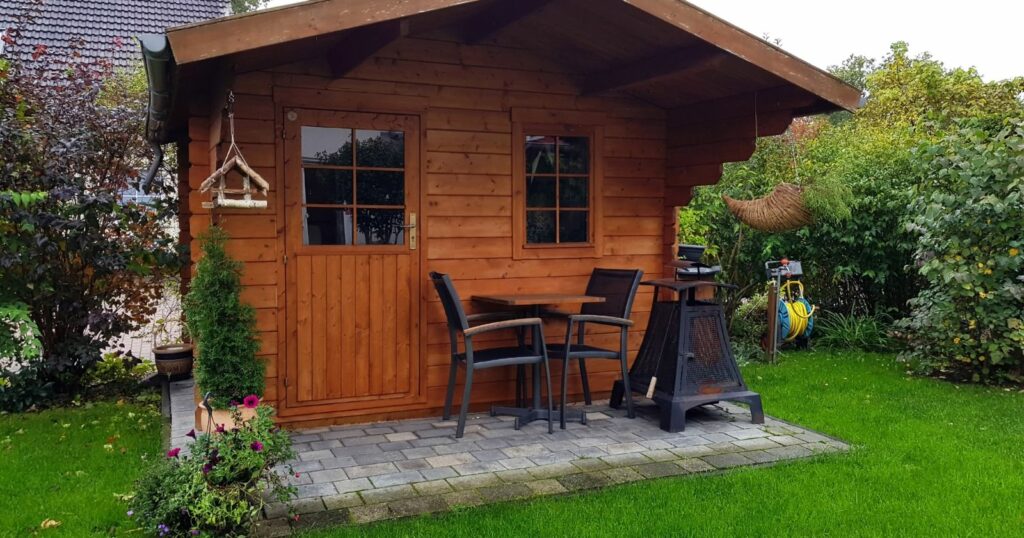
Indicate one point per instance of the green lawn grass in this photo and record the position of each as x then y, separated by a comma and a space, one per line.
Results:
929, 458
55, 465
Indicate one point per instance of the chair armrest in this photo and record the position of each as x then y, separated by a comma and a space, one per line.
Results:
498, 325
492, 316
601, 320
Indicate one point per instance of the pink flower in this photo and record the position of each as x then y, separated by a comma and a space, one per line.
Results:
296, 475
256, 446
173, 453
191, 433
220, 428
251, 401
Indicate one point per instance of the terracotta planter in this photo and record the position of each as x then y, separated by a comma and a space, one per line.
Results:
221, 416
174, 360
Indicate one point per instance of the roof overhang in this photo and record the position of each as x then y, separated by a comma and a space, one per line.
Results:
239, 33
666, 48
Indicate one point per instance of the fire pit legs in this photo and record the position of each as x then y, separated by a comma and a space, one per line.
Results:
686, 357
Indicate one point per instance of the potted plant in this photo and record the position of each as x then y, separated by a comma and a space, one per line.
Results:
172, 353
224, 330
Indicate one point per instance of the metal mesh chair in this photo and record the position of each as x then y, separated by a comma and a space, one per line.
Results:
473, 359
618, 287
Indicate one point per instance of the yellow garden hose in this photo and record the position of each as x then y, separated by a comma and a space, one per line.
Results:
799, 315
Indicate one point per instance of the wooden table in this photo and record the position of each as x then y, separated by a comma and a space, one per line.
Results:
536, 302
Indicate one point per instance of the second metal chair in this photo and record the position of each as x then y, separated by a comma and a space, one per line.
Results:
618, 287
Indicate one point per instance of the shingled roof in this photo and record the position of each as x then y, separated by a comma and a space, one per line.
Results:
107, 28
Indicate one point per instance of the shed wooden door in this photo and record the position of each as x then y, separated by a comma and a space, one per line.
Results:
352, 198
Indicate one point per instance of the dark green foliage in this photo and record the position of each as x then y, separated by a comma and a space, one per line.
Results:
851, 331
223, 326
968, 319
220, 489
26, 388
83, 259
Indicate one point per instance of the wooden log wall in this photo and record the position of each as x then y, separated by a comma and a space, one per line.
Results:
468, 93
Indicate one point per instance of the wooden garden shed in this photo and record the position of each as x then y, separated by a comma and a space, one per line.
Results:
513, 144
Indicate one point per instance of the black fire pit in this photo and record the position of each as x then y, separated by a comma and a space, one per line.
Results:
686, 352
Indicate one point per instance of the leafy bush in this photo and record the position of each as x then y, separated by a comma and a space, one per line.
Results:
747, 327
851, 331
969, 317
220, 489
79, 255
117, 374
223, 325
857, 265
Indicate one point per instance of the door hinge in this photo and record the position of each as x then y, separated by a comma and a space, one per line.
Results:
286, 259
286, 382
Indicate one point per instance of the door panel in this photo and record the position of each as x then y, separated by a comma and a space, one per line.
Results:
352, 195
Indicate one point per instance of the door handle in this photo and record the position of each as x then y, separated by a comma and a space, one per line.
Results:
412, 231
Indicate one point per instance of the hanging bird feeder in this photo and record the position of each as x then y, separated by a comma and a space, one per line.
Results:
252, 182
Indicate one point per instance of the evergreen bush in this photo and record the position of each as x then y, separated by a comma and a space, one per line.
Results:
223, 326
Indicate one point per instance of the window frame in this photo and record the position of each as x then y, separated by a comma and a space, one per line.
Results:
354, 207
564, 124
294, 187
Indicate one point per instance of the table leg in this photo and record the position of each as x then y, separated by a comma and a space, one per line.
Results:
537, 411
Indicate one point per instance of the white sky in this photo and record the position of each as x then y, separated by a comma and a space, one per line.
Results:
982, 33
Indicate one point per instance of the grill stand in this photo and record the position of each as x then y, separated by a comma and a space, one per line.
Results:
686, 349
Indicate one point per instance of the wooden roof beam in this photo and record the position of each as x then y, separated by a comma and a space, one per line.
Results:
497, 17
692, 58
358, 45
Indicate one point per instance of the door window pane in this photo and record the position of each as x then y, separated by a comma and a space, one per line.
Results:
380, 149
540, 226
572, 227
540, 154
540, 192
328, 226
573, 155
328, 186
380, 188
573, 192
381, 226
327, 145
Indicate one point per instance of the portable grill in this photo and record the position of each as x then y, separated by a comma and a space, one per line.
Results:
685, 360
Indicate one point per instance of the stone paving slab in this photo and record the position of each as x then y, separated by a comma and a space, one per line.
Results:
400, 469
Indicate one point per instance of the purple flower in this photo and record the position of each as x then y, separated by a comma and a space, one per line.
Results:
207, 468
252, 401
131, 513
173, 453
164, 529
256, 446
220, 428
191, 433
194, 532
233, 403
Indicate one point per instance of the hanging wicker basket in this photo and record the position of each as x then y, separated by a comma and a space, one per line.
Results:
780, 211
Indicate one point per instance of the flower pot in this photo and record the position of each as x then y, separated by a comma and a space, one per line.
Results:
221, 416
174, 360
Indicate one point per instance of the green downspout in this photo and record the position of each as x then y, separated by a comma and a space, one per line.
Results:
158, 61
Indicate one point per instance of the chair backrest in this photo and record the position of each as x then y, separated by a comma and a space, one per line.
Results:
617, 286
450, 300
